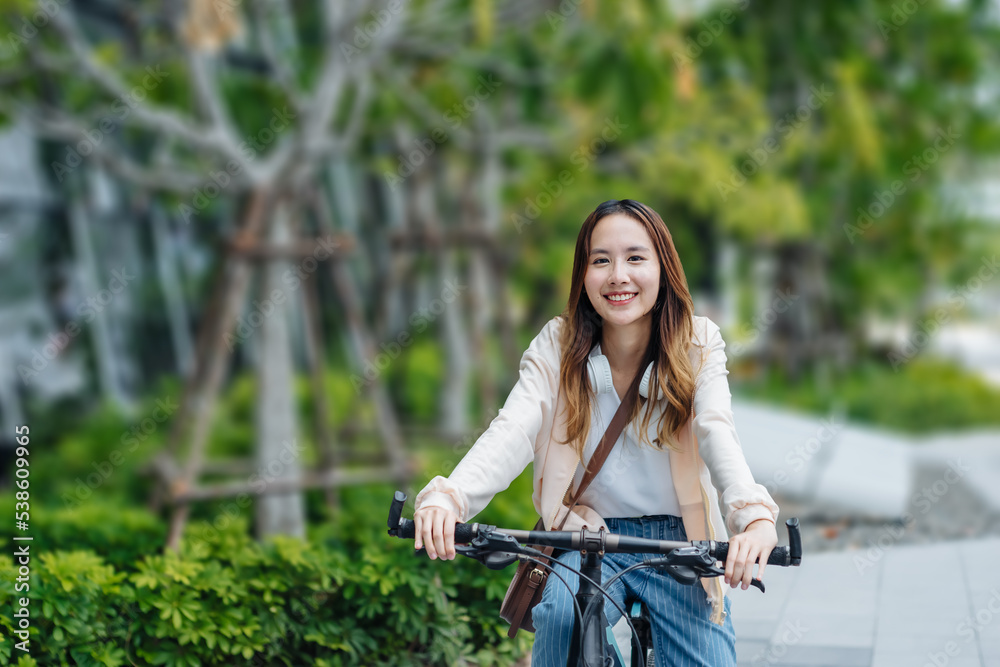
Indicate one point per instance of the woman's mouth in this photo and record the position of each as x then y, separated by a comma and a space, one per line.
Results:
619, 299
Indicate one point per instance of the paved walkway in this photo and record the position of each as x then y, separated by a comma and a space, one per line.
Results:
888, 606
885, 605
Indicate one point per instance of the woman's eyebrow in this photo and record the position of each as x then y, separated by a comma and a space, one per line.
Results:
635, 248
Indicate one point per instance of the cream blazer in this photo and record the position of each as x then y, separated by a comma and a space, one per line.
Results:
532, 421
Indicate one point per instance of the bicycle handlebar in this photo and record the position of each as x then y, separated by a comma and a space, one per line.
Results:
609, 542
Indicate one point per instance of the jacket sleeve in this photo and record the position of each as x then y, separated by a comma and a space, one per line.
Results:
504, 450
742, 500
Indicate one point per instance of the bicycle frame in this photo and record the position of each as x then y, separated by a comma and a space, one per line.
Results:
590, 649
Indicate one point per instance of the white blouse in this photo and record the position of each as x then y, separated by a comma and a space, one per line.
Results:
635, 479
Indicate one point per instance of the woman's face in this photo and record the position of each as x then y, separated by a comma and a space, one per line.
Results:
623, 271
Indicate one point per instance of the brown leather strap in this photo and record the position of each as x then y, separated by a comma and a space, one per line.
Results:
531, 585
608, 441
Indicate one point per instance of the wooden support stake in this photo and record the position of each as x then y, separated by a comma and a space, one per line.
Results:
202, 400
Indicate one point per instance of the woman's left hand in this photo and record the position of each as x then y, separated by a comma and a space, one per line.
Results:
755, 542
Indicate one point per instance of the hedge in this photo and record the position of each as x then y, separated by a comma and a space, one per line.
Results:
352, 597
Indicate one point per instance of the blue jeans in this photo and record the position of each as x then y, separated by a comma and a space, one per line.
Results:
683, 634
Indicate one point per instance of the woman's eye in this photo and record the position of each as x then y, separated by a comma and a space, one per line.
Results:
635, 257
599, 260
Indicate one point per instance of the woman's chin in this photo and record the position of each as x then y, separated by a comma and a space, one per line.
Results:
622, 319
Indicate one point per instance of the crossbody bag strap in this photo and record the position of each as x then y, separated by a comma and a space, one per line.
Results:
607, 443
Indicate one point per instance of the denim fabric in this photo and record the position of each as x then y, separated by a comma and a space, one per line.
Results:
683, 634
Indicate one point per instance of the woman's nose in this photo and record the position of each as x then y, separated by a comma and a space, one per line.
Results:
618, 273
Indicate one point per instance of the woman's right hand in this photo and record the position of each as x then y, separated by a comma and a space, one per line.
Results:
434, 529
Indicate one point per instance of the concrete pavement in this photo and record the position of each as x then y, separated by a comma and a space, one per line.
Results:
884, 604
887, 606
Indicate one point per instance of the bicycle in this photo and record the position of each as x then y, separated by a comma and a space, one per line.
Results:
591, 645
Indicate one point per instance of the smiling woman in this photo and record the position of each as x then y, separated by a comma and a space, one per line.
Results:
628, 326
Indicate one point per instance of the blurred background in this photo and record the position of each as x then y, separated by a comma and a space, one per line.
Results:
264, 261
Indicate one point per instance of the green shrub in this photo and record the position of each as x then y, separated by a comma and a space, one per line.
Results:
355, 597
120, 534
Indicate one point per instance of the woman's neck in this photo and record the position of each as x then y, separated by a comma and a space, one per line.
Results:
625, 346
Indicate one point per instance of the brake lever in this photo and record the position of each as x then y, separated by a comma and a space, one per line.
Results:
494, 550
687, 564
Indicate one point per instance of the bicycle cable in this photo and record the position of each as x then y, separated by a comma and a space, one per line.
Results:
608, 583
561, 578
628, 569
617, 576
580, 614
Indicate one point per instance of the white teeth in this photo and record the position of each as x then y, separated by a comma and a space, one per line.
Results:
624, 297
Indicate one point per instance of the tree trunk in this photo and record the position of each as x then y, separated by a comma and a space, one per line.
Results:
455, 393
107, 368
277, 445
173, 294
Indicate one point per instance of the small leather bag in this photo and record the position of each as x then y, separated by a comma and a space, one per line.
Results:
528, 584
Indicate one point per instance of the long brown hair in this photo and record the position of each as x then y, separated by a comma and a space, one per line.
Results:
673, 378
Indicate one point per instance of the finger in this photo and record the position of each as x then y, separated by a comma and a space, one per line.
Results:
748, 571
429, 535
439, 546
740, 566
734, 566
764, 555
731, 560
416, 530
449, 536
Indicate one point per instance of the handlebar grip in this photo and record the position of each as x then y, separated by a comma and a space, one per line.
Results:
794, 540
396, 509
464, 532
784, 556
779, 555
406, 529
